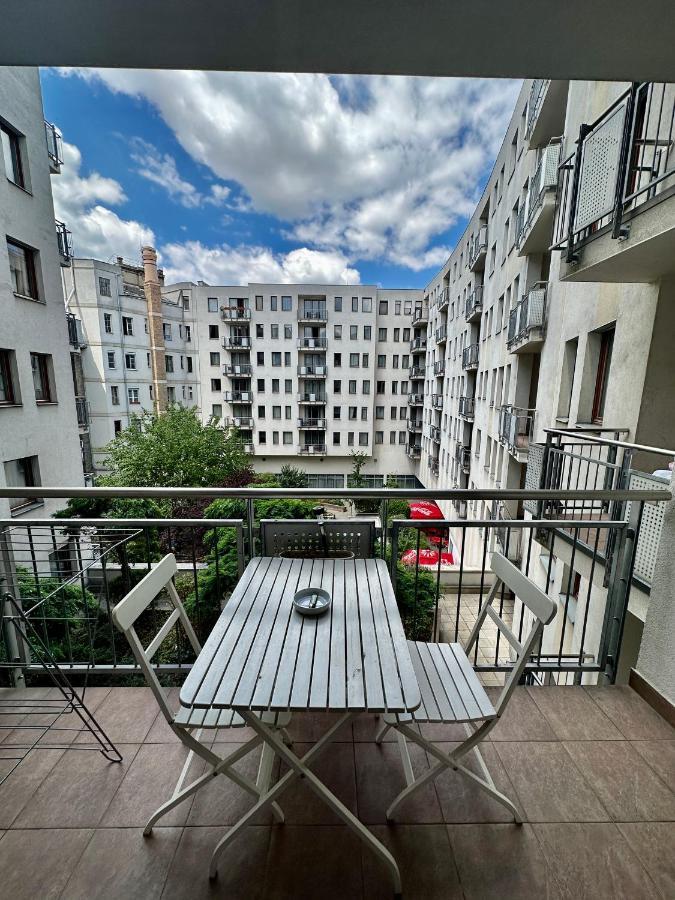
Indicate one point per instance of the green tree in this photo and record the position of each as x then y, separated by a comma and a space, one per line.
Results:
291, 477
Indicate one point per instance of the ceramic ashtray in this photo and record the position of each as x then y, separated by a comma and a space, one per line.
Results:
311, 601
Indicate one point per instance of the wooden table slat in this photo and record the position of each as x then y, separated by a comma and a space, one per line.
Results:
372, 670
356, 696
337, 685
408, 680
318, 696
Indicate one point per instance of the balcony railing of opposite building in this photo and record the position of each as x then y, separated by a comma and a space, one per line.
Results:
544, 180
467, 407
413, 451
443, 299
434, 465
415, 399
441, 334
309, 397
313, 314
623, 163
54, 145
242, 421
237, 342
470, 356
435, 434
528, 315
235, 313
239, 396
439, 367
242, 369
249, 448
463, 456
312, 371
312, 343
478, 250
312, 449
515, 427
308, 422
437, 401
414, 425
420, 314
64, 240
75, 333
474, 303
537, 95
82, 409
416, 372
418, 344
102, 651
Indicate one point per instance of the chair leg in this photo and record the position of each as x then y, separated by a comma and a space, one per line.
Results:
384, 728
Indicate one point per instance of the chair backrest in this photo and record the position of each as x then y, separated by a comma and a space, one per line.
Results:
541, 606
127, 611
310, 537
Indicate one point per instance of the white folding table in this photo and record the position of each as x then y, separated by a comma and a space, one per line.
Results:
263, 655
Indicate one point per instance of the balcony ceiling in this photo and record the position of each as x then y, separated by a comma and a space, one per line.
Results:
606, 39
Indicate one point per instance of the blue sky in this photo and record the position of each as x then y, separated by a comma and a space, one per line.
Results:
259, 177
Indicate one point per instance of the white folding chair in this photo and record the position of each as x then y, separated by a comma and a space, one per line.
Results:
189, 722
452, 693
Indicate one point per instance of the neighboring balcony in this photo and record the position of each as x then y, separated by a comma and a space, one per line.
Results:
418, 345
250, 449
420, 314
64, 240
435, 434
312, 449
437, 401
434, 465
312, 371
54, 148
237, 342
414, 427
306, 397
413, 451
415, 399
545, 110
463, 457
235, 313
245, 370
470, 357
75, 333
527, 321
474, 304
441, 334
242, 421
313, 316
439, 368
467, 408
478, 250
535, 217
312, 343
311, 423
444, 300
416, 372
239, 396
82, 409
516, 426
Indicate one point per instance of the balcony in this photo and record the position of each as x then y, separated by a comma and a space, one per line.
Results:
415, 399
467, 408
413, 451
312, 449
470, 357
237, 342
615, 217
312, 343
243, 422
309, 423
441, 334
515, 430
250, 449
444, 300
235, 313
82, 409
416, 372
434, 465
435, 434
439, 368
239, 396
535, 217
474, 304
418, 345
420, 314
527, 321
311, 371
478, 251
64, 240
414, 426
54, 148
242, 370
463, 457
437, 401
313, 315
545, 111
75, 334
306, 397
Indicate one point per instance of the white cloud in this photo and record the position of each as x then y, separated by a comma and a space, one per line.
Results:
371, 167
193, 260
79, 202
160, 169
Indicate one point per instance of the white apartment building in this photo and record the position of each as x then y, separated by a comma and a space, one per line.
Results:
39, 442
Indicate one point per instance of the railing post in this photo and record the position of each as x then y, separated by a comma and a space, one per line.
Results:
570, 255
250, 509
626, 143
393, 554
9, 585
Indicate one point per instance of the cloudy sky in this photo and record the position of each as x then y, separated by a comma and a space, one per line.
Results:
239, 177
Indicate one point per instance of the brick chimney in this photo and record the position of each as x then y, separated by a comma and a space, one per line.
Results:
153, 299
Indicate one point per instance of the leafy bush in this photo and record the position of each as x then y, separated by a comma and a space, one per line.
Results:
416, 602
291, 477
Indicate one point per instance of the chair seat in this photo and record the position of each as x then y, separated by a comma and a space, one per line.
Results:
196, 717
450, 689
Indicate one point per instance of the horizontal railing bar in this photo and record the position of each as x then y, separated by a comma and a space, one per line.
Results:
608, 442
507, 523
322, 493
135, 523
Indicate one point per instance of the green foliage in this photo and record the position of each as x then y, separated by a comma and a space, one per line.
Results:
265, 479
269, 508
416, 598
291, 477
359, 459
175, 449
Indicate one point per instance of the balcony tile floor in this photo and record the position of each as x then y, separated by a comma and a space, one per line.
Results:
593, 769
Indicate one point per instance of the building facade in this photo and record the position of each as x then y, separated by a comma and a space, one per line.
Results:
39, 432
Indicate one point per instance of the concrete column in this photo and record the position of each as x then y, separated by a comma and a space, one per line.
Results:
656, 661
153, 298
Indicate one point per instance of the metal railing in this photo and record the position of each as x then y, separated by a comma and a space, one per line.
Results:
437, 401
516, 426
313, 315
75, 333
415, 399
441, 334
308, 397
413, 451
470, 356
309, 449
414, 425
312, 343
420, 314
311, 423
212, 553
312, 371
64, 240
242, 421
237, 342
443, 300
434, 465
243, 369
439, 367
235, 313
467, 407
54, 144
623, 161
82, 409
528, 314
479, 246
535, 102
463, 456
416, 372
545, 179
435, 433
417, 344
474, 303
239, 396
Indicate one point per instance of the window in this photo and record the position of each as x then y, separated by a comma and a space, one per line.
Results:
216, 384
166, 330
392, 437
337, 386
261, 385
212, 304
262, 437
337, 332
381, 361
274, 332
132, 394
258, 302
393, 412
353, 360
379, 437
8, 395
363, 438
406, 334
383, 308
353, 332
286, 304
213, 332
394, 361
287, 412
401, 437
288, 437
22, 270
217, 410
107, 323
336, 438
287, 358
170, 394
275, 437
168, 362
275, 385
104, 287
260, 331
382, 334
367, 332
11, 150
397, 334
337, 412
394, 387
364, 413
261, 412
367, 304
352, 387
24, 472
364, 360
273, 303
602, 375
276, 412
404, 387
214, 358
127, 326
288, 332
129, 360
365, 386
288, 386
350, 439
379, 412
117, 426
355, 304
260, 358
337, 360
41, 365
276, 359
338, 304
381, 387
111, 359
114, 395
